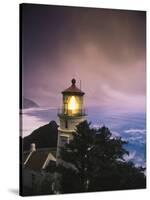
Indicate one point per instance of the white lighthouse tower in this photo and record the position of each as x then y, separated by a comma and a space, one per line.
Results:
71, 114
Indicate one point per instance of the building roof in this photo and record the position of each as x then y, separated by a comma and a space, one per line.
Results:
73, 89
25, 156
39, 159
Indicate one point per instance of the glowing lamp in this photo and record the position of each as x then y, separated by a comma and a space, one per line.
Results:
73, 105
72, 100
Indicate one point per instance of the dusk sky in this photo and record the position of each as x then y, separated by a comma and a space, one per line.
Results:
106, 49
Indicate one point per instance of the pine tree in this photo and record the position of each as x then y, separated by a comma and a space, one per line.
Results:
94, 161
77, 153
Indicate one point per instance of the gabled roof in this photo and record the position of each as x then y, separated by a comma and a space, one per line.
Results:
25, 156
73, 89
39, 159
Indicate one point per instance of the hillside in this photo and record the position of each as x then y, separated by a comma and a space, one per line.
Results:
28, 103
43, 137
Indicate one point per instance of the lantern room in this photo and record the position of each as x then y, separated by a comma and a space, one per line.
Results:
70, 115
72, 101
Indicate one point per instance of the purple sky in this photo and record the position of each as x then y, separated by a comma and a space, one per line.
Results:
106, 49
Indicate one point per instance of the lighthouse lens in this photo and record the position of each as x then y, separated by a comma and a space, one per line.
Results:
73, 105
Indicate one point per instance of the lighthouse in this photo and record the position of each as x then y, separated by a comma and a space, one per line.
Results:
71, 114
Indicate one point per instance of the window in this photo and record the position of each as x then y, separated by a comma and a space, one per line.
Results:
66, 124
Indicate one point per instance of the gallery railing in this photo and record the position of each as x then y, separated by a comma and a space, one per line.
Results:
71, 113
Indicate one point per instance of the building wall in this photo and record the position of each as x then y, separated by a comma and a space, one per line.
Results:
37, 182
71, 123
65, 134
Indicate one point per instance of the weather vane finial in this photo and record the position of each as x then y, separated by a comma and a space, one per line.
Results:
73, 81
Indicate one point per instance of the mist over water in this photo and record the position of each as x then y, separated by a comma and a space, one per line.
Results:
131, 126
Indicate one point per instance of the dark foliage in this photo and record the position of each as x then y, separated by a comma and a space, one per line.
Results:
51, 167
94, 161
43, 137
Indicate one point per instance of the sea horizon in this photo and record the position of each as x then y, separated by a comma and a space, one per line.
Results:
130, 126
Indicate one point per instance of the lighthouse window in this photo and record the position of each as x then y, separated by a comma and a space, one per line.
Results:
66, 124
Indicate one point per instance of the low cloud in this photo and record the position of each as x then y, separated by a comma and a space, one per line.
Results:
135, 131
129, 157
33, 118
30, 123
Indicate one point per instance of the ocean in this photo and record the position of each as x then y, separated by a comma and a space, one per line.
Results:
130, 126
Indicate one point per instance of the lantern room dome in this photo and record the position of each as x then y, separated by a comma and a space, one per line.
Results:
73, 89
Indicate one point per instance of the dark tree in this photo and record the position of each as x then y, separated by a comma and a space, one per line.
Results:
93, 161
77, 153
